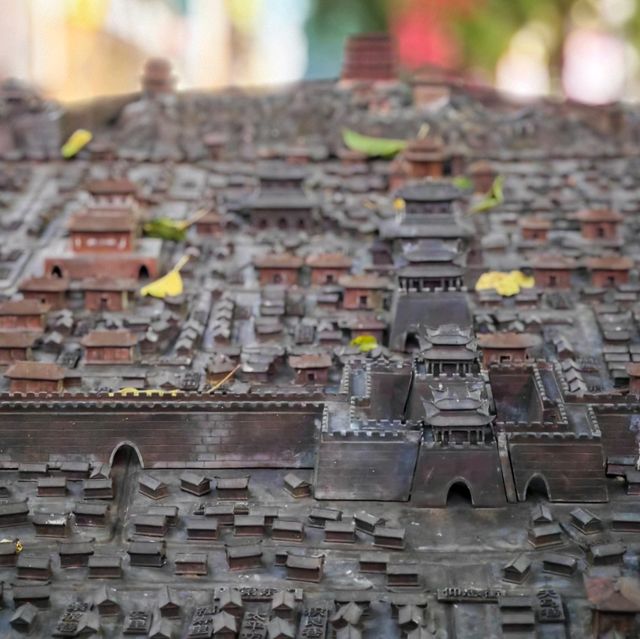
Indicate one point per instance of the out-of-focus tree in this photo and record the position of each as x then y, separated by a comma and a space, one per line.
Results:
481, 37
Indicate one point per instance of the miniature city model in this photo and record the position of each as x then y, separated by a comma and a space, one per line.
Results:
262, 381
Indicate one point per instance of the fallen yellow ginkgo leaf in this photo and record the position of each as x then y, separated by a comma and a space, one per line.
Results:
506, 284
76, 142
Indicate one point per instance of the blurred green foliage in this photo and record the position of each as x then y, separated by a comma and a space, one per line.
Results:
329, 24
480, 30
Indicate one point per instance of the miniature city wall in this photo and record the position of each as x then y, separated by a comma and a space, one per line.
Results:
193, 432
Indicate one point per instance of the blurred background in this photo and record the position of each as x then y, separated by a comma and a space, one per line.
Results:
75, 49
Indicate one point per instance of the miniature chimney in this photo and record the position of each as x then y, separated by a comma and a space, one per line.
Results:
369, 57
157, 77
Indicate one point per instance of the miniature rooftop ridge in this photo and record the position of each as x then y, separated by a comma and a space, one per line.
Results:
430, 190
278, 260
329, 260
35, 370
507, 340
109, 338
90, 222
112, 186
24, 307
49, 284
18, 339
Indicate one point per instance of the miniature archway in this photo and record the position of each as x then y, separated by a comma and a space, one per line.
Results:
459, 492
126, 450
411, 343
537, 487
56, 271
143, 272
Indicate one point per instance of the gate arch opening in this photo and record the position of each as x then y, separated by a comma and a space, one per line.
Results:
536, 488
459, 494
126, 453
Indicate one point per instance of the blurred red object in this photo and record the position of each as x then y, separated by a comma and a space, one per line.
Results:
422, 33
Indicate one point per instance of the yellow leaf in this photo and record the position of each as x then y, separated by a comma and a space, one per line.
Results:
168, 285
76, 142
506, 284
365, 343
508, 287
489, 280
524, 281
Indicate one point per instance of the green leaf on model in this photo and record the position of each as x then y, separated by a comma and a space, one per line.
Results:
165, 229
372, 146
493, 198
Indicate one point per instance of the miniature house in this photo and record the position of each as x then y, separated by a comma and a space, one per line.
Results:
501, 348
233, 488
296, 486
46, 290
282, 211
215, 144
191, 564
608, 272
103, 242
105, 602
107, 294
426, 157
308, 569
15, 346
311, 369
482, 175
168, 604
534, 228
278, 177
231, 602
281, 629
35, 377
98, 488
109, 346
210, 225
24, 618
599, 224
280, 268
363, 292
119, 192
23, 314
327, 268
430, 88
615, 604
224, 626
195, 483
283, 604
102, 233
245, 557
553, 271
